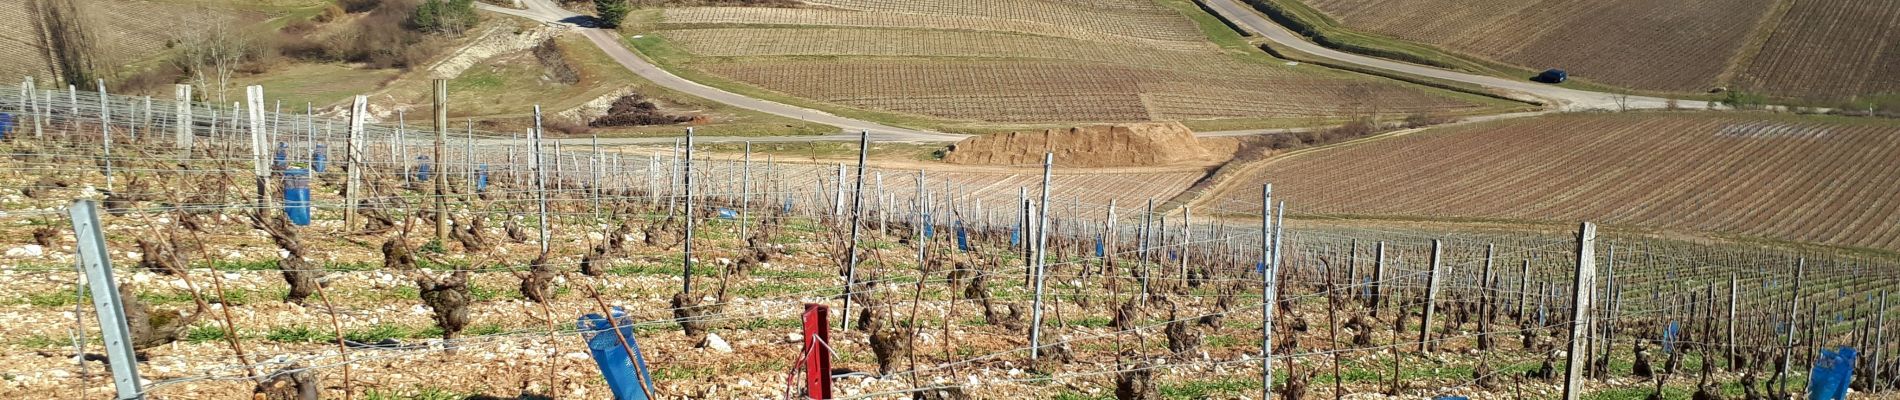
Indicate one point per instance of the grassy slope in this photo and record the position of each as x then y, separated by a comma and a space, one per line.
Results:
643, 27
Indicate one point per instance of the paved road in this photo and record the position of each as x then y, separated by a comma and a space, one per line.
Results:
1566, 98
609, 41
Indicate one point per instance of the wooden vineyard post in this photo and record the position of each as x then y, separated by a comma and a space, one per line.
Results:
181, 117
254, 109
857, 206
1378, 279
1431, 298
1042, 240
1268, 259
540, 178
1580, 307
1523, 292
353, 159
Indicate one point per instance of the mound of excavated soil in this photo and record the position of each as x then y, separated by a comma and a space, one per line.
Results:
1122, 145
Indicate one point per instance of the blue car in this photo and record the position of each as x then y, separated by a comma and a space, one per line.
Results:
1552, 76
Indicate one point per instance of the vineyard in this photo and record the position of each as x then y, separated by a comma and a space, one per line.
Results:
1830, 50
385, 262
975, 66
1685, 45
1781, 178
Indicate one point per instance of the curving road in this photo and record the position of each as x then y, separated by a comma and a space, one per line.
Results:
1564, 98
609, 42
1242, 15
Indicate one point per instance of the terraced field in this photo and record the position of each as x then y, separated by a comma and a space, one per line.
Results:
988, 65
1818, 180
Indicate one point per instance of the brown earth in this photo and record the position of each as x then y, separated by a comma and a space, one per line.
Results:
1120, 145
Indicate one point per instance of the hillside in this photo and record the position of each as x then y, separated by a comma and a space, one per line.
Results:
995, 65
1803, 179
1825, 52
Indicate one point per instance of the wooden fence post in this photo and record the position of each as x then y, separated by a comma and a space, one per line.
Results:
1431, 298
1580, 307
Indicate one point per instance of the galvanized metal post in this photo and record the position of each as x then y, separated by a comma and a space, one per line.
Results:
1794, 312
1042, 240
857, 197
1267, 291
105, 130
1580, 306
745, 191
441, 176
686, 176
97, 264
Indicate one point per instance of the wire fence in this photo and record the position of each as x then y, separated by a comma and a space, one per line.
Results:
1123, 299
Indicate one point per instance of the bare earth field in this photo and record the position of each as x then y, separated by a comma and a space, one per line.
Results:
965, 65
1818, 180
1827, 50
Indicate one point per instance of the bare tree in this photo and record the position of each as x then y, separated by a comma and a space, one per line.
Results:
211, 55
70, 45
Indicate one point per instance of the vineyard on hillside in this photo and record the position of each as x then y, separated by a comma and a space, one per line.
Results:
462, 276
1803, 179
977, 65
1684, 45
1830, 50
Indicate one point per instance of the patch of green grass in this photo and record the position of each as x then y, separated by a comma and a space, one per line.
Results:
377, 333
238, 265
684, 373
484, 330
423, 394
43, 342
55, 299
204, 333
1090, 321
295, 334
1208, 389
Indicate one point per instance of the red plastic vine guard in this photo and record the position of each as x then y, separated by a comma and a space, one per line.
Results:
817, 352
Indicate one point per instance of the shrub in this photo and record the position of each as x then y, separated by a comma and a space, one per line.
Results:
452, 17
1741, 100
330, 13
357, 6
611, 11
1424, 120
634, 110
